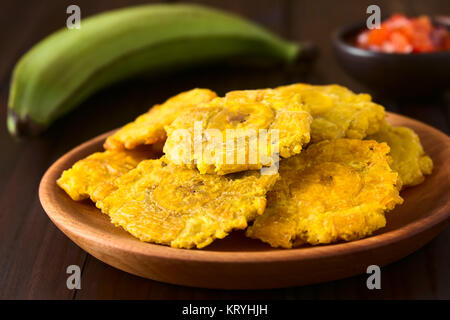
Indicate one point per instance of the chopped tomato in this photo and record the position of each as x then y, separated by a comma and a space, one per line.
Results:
422, 42
422, 24
396, 21
401, 34
400, 43
378, 36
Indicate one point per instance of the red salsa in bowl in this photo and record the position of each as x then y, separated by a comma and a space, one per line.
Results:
400, 34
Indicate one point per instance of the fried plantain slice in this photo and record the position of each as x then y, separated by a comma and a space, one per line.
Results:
338, 112
334, 190
241, 131
408, 156
93, 176
148, 128
167, 204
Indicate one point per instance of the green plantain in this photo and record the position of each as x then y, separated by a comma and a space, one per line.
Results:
64, 69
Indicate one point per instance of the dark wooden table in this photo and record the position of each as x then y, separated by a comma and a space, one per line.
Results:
34, 254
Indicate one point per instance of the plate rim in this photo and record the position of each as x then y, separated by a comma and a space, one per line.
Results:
272, 255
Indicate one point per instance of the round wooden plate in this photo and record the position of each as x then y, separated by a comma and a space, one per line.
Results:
237, 262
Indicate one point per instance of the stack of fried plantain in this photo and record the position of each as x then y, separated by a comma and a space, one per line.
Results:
339, 167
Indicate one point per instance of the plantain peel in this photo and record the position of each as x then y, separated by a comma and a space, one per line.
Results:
149, 127
335, 190
337, 112
67, 67
167, 204
409, 158
245, 130
93, 176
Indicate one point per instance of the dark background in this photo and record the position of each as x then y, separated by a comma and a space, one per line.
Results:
34, 254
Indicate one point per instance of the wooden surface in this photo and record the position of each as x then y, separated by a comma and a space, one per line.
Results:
34, 254
238, 262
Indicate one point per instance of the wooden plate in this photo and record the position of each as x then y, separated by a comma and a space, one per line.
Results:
240, 263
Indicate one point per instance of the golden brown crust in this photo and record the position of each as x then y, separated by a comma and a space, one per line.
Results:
408, 157
148, 128
244, 113
338, 112
164, 203
334, 190
93, 176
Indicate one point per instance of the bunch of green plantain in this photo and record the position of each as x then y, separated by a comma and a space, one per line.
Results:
68, 66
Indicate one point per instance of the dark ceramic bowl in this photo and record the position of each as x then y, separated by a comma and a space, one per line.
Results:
392, 74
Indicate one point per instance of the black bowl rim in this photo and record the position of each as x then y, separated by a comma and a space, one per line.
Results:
339, 35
